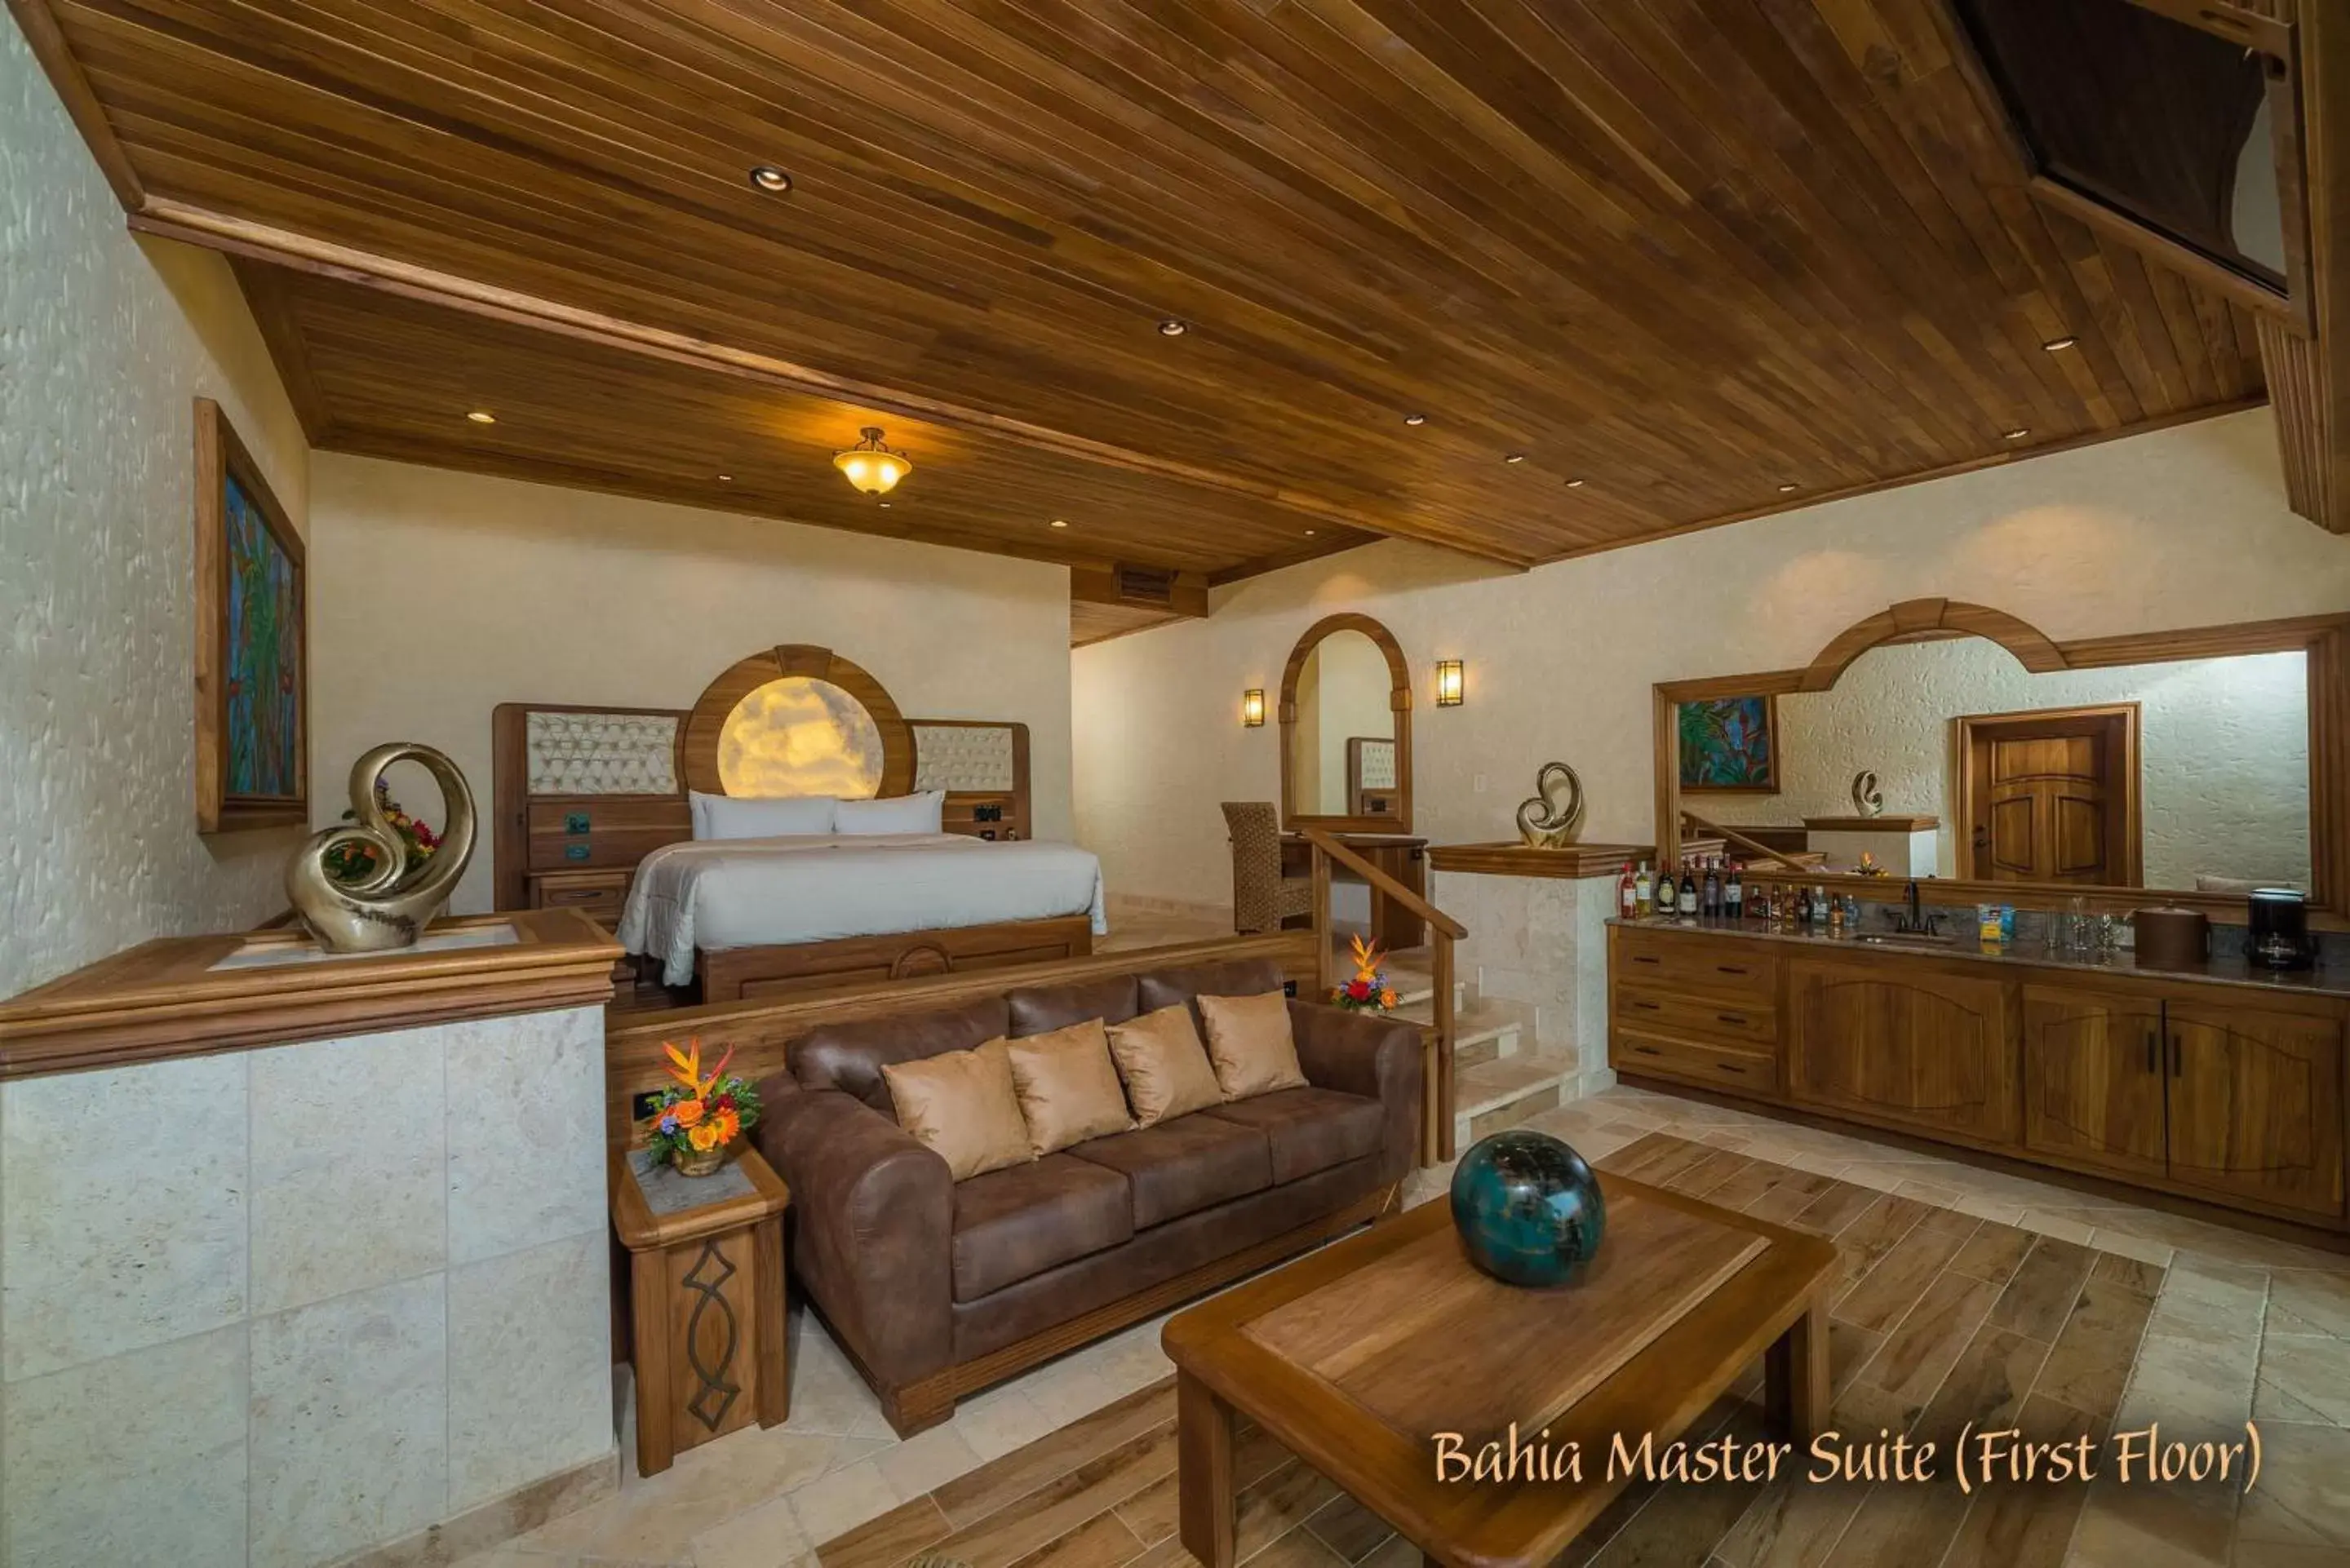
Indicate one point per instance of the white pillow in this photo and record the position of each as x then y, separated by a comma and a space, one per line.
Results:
760, 817
924, 812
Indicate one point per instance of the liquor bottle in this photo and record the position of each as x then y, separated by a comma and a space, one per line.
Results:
1643, 894
1802, 912
1709, 896
1625, 906
1668, 895
1819, 906
1836, 917
1689, 890
1734, 898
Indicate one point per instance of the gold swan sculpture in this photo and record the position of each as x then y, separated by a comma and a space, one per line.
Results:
391, 907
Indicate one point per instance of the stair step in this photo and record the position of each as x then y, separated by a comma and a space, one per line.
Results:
1509, 1090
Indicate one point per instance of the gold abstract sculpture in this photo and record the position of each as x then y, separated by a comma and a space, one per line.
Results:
391, 907
1543, 822
1866, 798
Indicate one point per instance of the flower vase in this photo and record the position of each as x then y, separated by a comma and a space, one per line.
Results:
704, 1162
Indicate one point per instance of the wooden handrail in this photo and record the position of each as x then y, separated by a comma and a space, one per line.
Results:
1751, 846
1383, 882
1436, 1143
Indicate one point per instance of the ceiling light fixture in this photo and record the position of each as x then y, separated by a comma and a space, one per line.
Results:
1309, 533
1787, 490
1415, 419
1173, 327
483, 417
767, 177
872, 467
1576, 483
1516, 457
2018, 433
1060, 522
725, 479
2055, 344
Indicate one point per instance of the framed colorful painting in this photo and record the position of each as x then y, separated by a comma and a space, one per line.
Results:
253, 683
1731, 744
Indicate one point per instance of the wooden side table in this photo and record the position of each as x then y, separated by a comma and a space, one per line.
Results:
706, 1299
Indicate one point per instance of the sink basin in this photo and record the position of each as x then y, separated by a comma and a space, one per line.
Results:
1905, 939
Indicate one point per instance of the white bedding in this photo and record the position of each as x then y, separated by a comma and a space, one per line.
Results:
759, 892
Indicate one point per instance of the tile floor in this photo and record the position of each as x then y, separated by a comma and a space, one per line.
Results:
1971, 1292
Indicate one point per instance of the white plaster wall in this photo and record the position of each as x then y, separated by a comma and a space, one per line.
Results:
2180, 528
105, 342
451, 593
2223, 780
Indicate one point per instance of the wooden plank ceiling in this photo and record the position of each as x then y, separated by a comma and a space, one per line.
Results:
1687, 260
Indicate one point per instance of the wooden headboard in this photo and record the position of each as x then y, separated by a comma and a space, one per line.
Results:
582, 792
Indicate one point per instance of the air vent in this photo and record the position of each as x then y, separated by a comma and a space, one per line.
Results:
1146, 586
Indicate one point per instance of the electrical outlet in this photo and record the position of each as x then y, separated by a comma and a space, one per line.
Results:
1478, 784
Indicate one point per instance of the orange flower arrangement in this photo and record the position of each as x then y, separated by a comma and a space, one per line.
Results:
1369, 991
700, 1115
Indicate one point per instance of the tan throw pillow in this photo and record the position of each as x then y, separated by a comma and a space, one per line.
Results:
961, 1106
1250, 1044
1165, 1066
1068, 1090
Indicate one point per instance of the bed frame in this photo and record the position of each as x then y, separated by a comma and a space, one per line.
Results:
583, 792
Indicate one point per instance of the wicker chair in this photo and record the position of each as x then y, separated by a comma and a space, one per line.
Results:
1262, 897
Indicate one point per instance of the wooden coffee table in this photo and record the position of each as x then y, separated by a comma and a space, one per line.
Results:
1356, 1355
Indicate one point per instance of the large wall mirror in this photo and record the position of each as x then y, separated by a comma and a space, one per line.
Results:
1951, 741
1346, 729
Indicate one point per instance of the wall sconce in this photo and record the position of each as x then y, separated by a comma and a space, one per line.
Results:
1449, 683
1252, 707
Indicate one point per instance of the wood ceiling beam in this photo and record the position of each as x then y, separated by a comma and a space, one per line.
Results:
192, 224
2317, 433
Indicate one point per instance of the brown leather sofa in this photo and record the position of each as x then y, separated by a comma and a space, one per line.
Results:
936, 1289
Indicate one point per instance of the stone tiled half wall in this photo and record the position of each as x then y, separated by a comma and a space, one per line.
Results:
275, 1307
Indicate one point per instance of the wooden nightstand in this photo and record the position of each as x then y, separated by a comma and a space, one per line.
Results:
600, 894
705, 1297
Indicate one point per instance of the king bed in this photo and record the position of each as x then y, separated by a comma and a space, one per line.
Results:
791, 831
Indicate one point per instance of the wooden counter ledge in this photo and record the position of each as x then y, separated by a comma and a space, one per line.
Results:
192, 996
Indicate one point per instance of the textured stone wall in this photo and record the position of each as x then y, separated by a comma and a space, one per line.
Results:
105, 342
343, 1300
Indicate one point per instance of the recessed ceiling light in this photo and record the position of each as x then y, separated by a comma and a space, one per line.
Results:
1060, 522
767, 177
1173, 327
2018, 433
483, 417
885, 506
1516, 457
1309, 533
1787, 490
2054, 344
725, 479
1415, 419
1575, 484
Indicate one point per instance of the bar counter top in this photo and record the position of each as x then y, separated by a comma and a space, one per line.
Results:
2120, 964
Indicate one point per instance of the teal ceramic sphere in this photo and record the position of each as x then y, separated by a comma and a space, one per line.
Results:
1528, 1208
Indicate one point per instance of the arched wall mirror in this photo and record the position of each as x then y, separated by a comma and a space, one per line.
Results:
2199, 763
1346, 729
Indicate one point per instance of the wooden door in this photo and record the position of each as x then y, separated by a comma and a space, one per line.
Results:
2094, 1079
2255, 1105
1896, 1041
2052, 797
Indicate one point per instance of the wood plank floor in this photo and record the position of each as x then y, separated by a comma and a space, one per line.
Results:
1941, 1320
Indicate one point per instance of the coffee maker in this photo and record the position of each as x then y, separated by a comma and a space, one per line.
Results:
2279, 937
